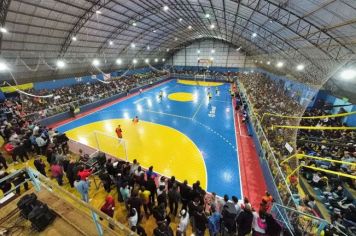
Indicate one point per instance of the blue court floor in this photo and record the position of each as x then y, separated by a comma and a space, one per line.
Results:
209, 124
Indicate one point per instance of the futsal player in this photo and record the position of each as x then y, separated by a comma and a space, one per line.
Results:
160, 95
135, 120
210, 95
118, 132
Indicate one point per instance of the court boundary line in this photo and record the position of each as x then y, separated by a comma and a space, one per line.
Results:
196, 112
237, 147
167, 114
56, 125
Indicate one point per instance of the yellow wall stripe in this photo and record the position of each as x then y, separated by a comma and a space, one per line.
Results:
10, 89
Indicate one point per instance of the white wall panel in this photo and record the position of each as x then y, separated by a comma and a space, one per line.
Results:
224, 55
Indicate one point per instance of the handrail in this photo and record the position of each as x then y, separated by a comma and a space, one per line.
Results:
269, 147
306, 214
300, 156
314, 127
308, 117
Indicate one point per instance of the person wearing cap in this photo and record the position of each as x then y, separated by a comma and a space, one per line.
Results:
183, 223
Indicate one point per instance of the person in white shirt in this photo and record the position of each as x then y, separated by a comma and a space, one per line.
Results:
183, 223
259, 224
133, 218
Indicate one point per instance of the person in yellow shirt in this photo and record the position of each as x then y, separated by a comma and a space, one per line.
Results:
145, 197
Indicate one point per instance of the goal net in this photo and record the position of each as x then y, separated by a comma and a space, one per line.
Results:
107, 144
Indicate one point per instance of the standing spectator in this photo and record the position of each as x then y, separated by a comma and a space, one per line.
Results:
244, 221
5, 186
133, 218
185, 194
173, 199
162, 195
70, 172
171, 182
57, 173
145, 196
3, 161
151, 186
109, 207
84, 173
125, 192
163, 229
83, 188
135, 202
201, 221
41, 143
150, 173
183, 223
259, 224
19, 151
214, 222
40, 166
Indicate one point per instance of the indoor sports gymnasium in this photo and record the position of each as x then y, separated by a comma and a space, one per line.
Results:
176, 118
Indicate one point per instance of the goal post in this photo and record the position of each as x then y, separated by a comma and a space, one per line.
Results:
110, 145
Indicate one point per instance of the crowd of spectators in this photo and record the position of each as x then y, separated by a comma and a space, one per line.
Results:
142, 192
80, 94
271, 96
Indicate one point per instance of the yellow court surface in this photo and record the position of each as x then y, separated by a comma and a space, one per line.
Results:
181, 97
168, 150
198, 83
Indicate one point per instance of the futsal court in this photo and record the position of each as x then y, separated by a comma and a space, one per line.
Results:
184, 133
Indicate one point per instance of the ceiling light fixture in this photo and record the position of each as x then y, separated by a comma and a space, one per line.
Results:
133, 45
111, 42
156, 59
254, 35
96, 62
3, 66
268, 62
134, 24
165, 8
163, 59
180, 19
74, 38
3, 30
198, 51
280, 64
118, 61
98, 12
61, 64
134, 61
238, 49
300, 67
147, 60
190, 27
212, 26
212, 50
207, 15
348, 74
